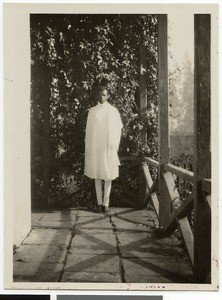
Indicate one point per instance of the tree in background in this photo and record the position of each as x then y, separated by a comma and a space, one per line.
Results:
182, 112
187, 93
176, 104
181, 93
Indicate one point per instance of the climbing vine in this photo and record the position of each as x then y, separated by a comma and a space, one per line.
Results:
70, 55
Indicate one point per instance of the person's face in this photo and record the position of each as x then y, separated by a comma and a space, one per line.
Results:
103, 96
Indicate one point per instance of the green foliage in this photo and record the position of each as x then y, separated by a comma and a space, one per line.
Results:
75, 53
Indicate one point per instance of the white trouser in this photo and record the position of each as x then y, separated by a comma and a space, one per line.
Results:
107, 189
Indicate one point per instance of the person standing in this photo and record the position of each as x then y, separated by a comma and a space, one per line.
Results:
102, 139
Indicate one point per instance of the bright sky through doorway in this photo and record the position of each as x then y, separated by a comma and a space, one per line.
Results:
181, 37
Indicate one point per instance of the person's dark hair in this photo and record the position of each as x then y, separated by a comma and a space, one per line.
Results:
102, 88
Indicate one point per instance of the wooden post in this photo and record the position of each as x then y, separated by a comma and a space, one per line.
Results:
143, 190
165, 204
202, 159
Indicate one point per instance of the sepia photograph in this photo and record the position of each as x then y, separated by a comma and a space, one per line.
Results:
112, 135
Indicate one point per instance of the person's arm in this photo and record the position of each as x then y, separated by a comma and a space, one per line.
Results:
118, 130
88, 128
115, 131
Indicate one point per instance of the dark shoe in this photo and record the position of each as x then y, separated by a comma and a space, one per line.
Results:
99, 209
107, 210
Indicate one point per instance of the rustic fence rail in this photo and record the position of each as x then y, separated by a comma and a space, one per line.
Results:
179, 209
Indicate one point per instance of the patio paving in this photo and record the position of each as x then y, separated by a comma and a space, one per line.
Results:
78, 245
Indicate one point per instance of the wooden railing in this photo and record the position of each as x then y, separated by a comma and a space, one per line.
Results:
179, 209
172, 211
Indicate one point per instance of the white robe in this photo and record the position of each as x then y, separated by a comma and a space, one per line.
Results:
103, 132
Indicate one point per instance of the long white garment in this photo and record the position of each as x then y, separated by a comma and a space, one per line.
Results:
103, 132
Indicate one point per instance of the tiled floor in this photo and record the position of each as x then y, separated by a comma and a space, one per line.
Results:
82, 246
